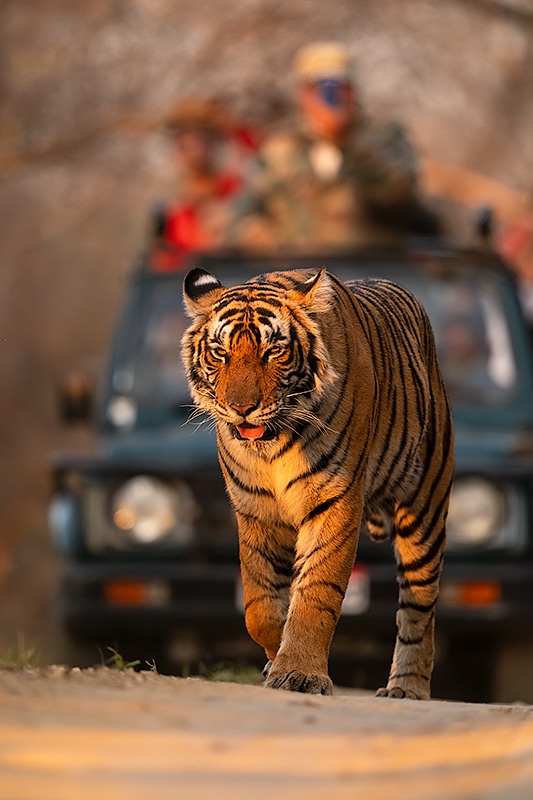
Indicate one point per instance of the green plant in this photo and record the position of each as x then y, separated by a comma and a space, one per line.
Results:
232, 673
20, 656
117, 661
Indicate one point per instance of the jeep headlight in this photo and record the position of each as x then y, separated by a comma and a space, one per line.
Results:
122, 412
146, 511
477, 511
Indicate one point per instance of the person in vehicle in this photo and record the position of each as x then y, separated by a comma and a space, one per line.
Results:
198, 218
339, 180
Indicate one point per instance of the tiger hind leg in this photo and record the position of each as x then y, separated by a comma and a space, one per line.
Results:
419, 558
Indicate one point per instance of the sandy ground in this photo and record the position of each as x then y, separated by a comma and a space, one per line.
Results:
110, 734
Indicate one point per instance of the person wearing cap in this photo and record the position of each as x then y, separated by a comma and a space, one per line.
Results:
339, 181
197, 219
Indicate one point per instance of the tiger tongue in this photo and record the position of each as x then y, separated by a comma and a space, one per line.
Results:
248, 431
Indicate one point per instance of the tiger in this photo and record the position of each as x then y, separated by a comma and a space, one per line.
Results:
331, 417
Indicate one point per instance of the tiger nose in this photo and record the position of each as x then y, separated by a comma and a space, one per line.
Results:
243, 410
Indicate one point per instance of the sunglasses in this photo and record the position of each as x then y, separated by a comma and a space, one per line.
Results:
331, 91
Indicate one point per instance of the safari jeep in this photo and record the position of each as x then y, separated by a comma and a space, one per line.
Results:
149, 543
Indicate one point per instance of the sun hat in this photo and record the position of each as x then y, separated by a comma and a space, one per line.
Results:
323, 60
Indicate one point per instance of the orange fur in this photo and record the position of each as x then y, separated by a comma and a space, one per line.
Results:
330, 409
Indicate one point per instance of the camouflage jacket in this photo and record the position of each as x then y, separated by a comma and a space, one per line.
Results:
309, 195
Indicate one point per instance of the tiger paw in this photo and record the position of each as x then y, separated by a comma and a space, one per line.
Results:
398, 691
294, 681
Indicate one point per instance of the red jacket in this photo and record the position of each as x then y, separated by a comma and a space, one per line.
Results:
186, 230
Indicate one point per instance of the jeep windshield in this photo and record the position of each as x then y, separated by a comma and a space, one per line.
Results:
471, 307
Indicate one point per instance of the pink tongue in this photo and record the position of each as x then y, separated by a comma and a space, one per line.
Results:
251, 432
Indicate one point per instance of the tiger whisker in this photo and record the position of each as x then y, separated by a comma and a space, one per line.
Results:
291, 427
194, 414
305, 415
304, 391
196, 411
196, 424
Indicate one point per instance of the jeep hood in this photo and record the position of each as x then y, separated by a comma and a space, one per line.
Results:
489, 450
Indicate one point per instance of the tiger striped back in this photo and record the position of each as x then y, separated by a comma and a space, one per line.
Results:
331, 416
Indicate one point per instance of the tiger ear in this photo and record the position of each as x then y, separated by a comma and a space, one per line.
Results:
200, 290
314, 294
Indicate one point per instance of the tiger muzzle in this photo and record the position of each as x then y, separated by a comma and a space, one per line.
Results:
247, 430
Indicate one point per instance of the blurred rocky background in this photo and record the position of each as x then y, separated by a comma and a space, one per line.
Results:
84, 87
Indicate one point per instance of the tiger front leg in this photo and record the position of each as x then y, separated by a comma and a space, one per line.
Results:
324, 560
267, 557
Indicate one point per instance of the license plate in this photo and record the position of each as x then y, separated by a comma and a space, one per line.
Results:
356, 600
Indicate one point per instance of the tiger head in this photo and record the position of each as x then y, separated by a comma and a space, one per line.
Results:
254, 354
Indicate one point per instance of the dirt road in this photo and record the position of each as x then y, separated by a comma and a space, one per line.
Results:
109, 734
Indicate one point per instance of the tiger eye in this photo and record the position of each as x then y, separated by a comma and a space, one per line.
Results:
276, 351
219, 352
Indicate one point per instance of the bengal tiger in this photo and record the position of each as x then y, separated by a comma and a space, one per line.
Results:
331, 416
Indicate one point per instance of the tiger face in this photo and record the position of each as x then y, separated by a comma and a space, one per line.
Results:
254, 355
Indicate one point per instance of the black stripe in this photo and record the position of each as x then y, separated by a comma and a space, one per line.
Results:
410, 642
326, 457
426, 558
330, 585
437, 479
256, 491
332, 546
321, 508
433, 577
423, 608
421, 675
